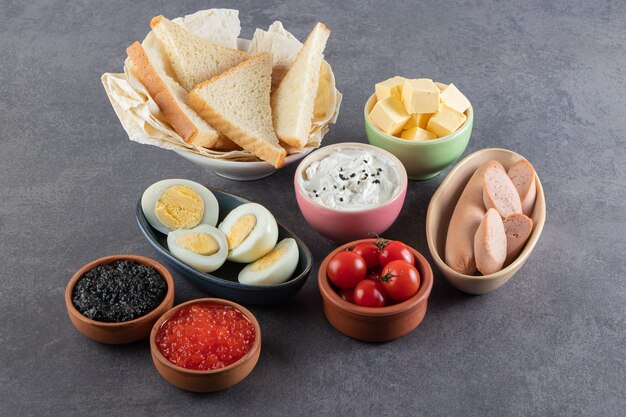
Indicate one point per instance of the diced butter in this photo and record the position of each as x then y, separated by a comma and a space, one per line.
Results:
418, 120
389, 115
441, 86
390, 87
445, 121
420, 96
454, 99
417, 133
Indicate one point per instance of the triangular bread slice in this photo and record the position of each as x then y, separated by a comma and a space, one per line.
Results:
294, 99
237, 103
171, 98
193, 58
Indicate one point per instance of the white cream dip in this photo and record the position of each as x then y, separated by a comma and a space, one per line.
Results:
351, 179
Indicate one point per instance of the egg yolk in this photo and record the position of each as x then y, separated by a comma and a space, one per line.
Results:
240, 230
200, 243
179, 207
269, 259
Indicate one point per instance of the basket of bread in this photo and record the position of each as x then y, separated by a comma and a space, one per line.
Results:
242, 108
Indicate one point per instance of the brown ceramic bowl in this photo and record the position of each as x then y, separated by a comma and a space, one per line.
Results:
126, 331
375, 324
206, 381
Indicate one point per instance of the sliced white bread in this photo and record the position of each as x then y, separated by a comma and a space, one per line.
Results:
500, 193
171, 98
237, 103
523, 176
517, 228
193, 58
490, 243
294, 99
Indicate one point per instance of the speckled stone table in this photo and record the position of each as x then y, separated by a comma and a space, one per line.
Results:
546, 79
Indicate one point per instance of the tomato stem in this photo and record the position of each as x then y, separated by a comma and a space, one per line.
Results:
387, 277
381, 243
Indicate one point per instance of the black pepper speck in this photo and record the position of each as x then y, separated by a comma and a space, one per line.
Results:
119, 291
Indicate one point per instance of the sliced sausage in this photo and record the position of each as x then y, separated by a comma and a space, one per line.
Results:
523, 176
467, 215
500, 193
517, 228
490, 243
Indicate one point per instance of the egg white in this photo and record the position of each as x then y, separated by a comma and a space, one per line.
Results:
261, 239
202, 263
278, 272
153, 193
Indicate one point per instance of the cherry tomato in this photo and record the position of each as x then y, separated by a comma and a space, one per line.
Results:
347, 294
393, 250
346, 269
368, 294
369, 252
400, 279
379, 285
374, 274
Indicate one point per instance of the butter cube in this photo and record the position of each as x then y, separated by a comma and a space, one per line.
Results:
441, 86
390, 87
389, 115
420, 96
454, 99
417, 133
418, 120
445, 121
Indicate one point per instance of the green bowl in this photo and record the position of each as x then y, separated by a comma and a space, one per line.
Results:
422, 159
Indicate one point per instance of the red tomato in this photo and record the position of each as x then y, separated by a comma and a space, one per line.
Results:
393, 250
374, 274
367, 294
347, 294
400, 279
369, 252
346, 269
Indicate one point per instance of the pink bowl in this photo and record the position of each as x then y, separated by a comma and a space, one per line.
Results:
343, 226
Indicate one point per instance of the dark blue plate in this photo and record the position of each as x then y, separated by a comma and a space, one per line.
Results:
223, 282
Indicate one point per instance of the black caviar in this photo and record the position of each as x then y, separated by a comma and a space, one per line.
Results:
119, 291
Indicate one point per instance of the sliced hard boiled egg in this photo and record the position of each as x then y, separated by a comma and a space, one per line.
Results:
204, 247
274, 268
178, 204
251, 232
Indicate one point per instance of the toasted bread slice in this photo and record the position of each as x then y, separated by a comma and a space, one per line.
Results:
171, 98
294, 99
237, 103
193, 58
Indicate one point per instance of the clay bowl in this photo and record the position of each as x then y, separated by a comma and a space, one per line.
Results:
371, 324
206, 381
123, 332
440, 211
342, 226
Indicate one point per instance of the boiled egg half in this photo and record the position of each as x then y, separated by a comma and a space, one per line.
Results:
204, 247
251, 232
179, 204
274, 268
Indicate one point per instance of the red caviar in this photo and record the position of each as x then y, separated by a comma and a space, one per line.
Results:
205, 336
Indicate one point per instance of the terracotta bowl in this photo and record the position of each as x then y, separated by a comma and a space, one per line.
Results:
440, 211
123, 332
345, 225
372, 324
206, 381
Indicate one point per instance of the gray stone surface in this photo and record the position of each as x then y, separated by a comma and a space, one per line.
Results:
546, 79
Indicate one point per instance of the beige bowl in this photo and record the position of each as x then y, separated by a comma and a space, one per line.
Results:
440, 211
